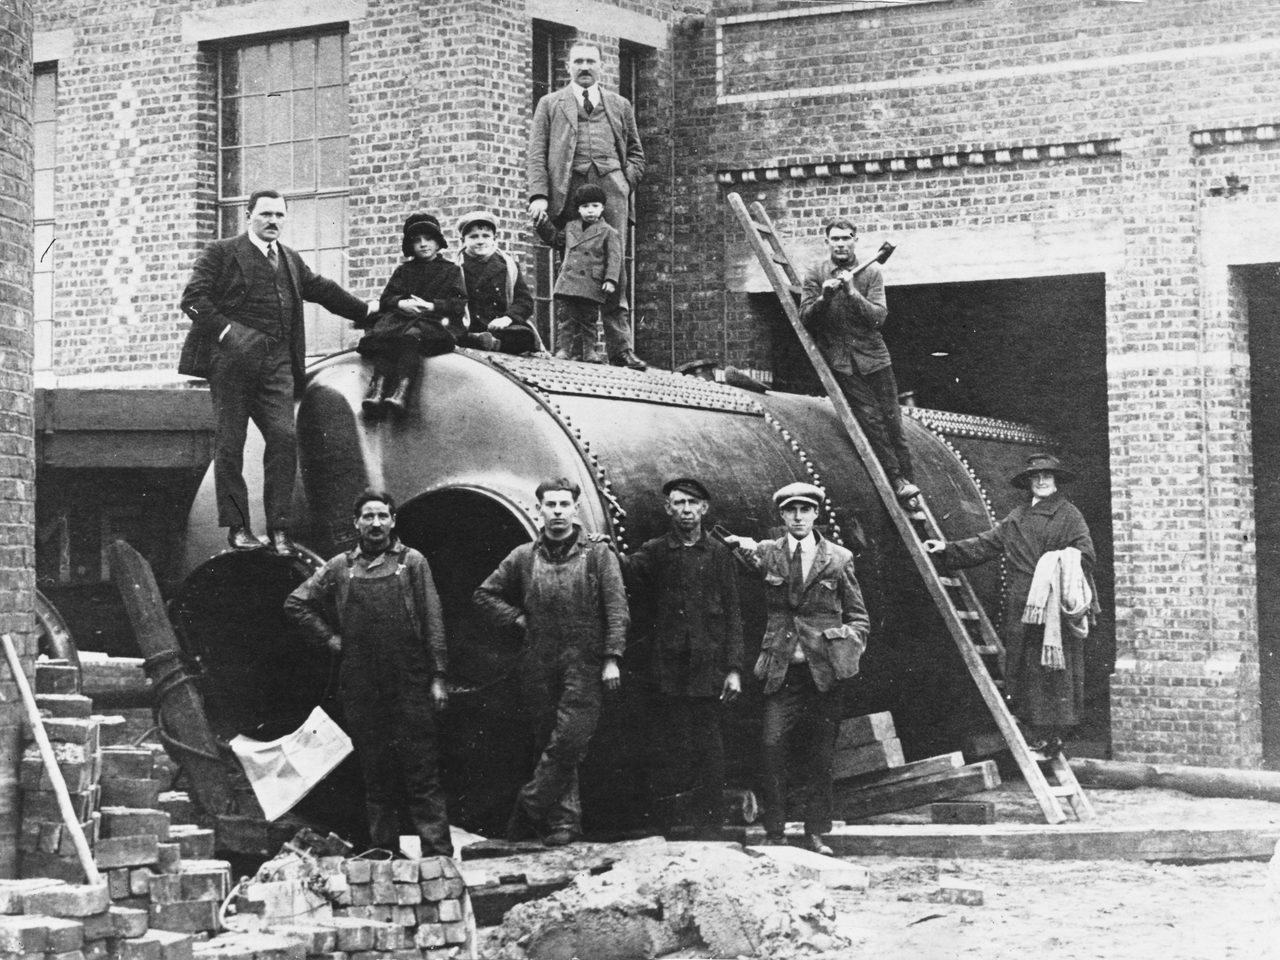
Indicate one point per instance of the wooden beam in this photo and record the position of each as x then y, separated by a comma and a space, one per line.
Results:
868, 758
915, 770
857, 731
1069, 841
181, 706
858, 804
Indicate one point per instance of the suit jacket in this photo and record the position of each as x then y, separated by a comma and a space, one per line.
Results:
830, 623
592, 255
549, 159
218, 288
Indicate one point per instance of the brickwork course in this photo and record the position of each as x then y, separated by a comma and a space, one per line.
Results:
1129, 144
17, 460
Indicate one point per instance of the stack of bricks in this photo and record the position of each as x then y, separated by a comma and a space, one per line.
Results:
381, 910
45, 844
54, 920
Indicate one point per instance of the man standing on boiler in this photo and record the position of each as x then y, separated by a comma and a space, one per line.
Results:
247, 339
583, 134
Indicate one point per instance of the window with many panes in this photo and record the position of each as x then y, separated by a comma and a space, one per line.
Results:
550, 44
284, 126
46, 160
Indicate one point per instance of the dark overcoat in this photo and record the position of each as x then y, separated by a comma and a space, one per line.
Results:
687, 599
1043, 697
592, 255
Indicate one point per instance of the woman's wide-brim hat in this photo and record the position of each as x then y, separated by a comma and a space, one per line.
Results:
1040, 462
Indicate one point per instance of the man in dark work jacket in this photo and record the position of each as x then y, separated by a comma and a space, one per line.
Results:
247, 338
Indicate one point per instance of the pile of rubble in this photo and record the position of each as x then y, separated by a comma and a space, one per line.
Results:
662, 897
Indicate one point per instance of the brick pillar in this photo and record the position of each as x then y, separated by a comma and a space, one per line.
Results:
432, 91
1185, 687
17, 461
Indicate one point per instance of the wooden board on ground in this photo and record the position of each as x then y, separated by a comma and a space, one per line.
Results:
860, 803
1070, 841
868, 758
915, 770
857, 731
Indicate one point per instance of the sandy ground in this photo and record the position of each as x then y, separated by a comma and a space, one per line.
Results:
1077, 909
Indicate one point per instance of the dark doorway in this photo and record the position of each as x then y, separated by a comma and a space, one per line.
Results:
1262, 292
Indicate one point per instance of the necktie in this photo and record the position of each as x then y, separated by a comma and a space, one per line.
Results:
795, 578
586, 102
272, 257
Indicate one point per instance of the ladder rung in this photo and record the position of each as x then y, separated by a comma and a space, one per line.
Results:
1059, 791
966, 615
987, 651
761, 228
949, 581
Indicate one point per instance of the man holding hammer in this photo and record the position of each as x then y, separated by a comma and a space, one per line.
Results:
843, 306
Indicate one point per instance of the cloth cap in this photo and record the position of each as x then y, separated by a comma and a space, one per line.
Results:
1038, 462
422, 225
804, 492
476, 216
686, 485
588, 193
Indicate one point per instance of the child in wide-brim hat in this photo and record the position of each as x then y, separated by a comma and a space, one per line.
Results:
425, 295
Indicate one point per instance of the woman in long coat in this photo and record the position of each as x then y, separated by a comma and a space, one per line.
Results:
1050, 700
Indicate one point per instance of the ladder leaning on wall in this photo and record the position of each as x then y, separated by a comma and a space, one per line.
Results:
952, 593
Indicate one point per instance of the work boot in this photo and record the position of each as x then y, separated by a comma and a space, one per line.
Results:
371, 405
521, 826
905, 490
396, 400
562, 355
242, 538
560, 837
774, 839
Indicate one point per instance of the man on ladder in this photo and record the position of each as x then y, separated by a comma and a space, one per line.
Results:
843, 306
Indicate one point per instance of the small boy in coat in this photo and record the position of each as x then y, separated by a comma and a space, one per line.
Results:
424, 295
590, 274
499, 304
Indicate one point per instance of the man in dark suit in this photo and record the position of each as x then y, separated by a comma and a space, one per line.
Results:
815, 635
247, 339
584, 134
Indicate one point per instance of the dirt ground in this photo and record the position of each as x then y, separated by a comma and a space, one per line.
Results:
1078, 909
1073, 909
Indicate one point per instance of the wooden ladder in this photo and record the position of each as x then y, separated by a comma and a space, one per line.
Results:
952, 594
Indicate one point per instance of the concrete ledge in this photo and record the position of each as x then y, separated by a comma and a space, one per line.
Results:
267, 16
1063, 842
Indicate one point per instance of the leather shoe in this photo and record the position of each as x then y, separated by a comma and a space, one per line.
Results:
774, 840
814, 842
242, 538
630, 360
281, 544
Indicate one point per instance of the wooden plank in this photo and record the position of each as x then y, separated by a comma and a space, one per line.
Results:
857, 731
868, 802
1070, 841
930, 766
868, 758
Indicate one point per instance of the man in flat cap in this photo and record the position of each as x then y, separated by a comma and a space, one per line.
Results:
684, 590
815, 635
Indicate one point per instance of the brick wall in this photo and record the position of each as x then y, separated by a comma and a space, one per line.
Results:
17, 463
992, 120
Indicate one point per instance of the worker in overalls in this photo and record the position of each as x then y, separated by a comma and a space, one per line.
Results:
377, 606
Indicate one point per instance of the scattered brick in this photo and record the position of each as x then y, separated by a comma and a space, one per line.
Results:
68, 900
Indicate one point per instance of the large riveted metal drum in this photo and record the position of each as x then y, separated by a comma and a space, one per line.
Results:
482, 430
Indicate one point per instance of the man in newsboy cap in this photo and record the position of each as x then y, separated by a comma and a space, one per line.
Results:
815, 635
684, 589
